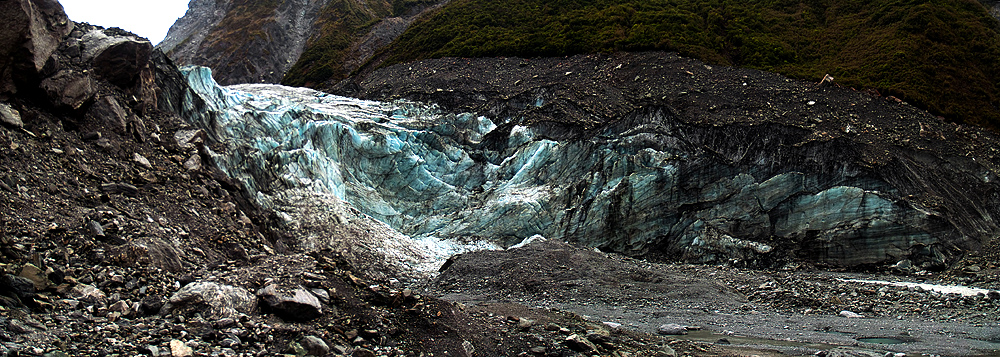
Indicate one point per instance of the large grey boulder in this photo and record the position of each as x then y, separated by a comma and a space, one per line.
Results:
117, 59
291, 303
213, 300
31, 32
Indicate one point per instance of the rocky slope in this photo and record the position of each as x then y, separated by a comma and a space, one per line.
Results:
259, 42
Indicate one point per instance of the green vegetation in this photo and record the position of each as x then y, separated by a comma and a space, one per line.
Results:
942, 55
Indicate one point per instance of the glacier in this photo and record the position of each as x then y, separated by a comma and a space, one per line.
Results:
418, 184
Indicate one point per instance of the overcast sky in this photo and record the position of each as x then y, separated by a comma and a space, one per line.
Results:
147, 18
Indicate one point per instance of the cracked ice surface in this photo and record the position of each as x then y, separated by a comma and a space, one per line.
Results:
328, 164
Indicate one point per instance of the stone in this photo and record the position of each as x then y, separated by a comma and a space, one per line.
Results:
524, 324
95, 228
19, 327
107, 110
31, 33
231, 342
315, 346
904, 266
468, 348
667, 351
21, 287
212, 300
322, 294
363, 352
117, 59
600, 338
291, 304
150, 305
296, 348
142, 160
193, 163
671, 329
10, 116
70, 88
579, 344
121, 306
179, 349
190, 139
850, 314
120, 187
88, 293
36, 275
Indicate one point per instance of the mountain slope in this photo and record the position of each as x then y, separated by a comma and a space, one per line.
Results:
259, 41
939, 55
246, 41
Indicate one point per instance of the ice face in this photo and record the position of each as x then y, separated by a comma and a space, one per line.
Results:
426, 175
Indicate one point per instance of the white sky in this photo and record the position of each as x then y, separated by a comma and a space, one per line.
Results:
147, 18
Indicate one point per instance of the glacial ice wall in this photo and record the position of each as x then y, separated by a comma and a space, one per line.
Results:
640, 189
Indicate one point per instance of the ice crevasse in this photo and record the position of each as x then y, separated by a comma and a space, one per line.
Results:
432, 188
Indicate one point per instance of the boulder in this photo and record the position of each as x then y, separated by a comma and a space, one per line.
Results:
213, 300
580, 344
193, 163
190, 139
10, 116
31, 32
117, 59
36, 275
671, 329
88, 293
107, 110
291, 304
315, 346
16, 286
850, 314
70, 88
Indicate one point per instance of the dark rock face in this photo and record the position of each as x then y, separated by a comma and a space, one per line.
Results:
255, 51
32, 32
